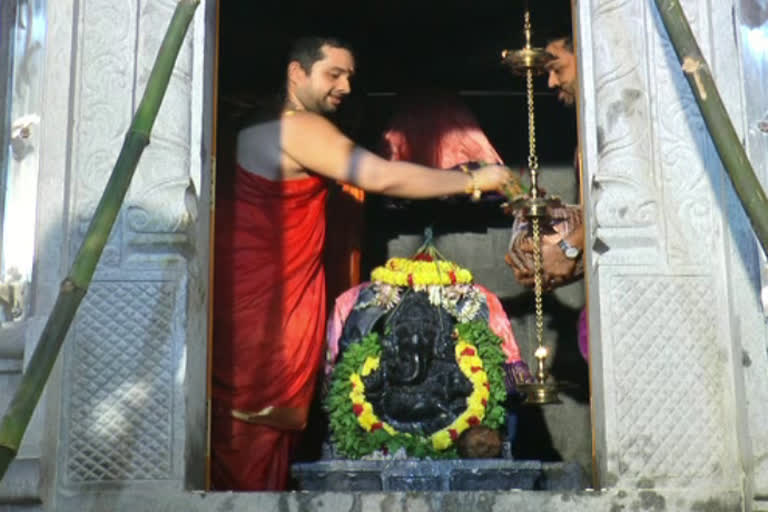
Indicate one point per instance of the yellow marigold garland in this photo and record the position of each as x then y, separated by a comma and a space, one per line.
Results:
471, 366
362, 407
420, 273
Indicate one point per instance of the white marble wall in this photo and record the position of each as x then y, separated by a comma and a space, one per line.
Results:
748, 263
23, 32
125, 407
669, 298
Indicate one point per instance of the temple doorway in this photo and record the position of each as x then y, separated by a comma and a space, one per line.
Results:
405, 51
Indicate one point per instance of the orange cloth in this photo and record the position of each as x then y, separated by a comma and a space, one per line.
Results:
343, 250
269, 321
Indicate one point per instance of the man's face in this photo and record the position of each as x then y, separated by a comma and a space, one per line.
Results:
323, 89
562, 71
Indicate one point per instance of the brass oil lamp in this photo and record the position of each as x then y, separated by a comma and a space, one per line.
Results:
528, 62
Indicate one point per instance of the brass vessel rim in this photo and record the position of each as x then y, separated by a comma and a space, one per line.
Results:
540, 393
524, 59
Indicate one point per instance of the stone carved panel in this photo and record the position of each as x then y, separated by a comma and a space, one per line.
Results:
115, 64
162, 216
173, 122
104, 106
653, 188
119, 414
669, 377
624, 186
684, 151
159, 208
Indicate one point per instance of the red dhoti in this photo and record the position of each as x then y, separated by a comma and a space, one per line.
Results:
269, 319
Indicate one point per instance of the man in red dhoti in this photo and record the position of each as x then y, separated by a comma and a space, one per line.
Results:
269, 297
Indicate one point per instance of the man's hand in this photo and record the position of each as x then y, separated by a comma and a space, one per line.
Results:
493, 178
557, 269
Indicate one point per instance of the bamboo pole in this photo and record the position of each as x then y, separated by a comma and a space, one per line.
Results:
727, 142
75, 285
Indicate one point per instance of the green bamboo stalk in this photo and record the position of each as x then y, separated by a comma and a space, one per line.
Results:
727, 142
75, 285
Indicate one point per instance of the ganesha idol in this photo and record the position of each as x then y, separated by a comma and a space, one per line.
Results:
419, 358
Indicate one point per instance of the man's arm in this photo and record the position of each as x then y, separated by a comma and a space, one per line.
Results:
317, 145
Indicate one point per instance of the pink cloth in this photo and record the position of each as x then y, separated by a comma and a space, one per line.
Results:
341, 310
584, 334
437, 132
498, 322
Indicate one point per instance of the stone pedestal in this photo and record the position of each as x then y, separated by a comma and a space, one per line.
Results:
440, 475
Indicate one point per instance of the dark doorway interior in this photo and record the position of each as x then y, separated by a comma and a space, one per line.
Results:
404, 47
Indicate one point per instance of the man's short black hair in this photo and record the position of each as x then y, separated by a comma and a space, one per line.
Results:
559, 32
566, 39
308, 50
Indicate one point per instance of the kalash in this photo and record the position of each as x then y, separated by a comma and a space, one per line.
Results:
420, 360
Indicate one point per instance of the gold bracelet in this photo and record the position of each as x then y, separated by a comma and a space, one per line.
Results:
472, 189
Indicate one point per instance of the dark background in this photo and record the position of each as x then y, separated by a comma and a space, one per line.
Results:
403, 47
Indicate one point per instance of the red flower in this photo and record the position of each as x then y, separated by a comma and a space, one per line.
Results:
376, 426
485, 402
452, 275
453, 433
357, 409
468, 352
487, 386
476, 369
473, 420
423, 256
410, 279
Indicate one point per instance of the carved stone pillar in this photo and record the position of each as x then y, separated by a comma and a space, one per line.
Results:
669, 296
747, 262
126, 404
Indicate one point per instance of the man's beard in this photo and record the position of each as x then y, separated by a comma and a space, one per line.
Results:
567, 95
328, 111
324, 108
317, 104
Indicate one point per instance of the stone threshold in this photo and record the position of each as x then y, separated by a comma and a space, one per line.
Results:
710, 499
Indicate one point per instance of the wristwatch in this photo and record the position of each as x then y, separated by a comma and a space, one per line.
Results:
570, 251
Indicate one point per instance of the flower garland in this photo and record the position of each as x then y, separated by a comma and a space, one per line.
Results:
472, 367
420, 272
463, 301
447, 284
357, 430
362, 407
